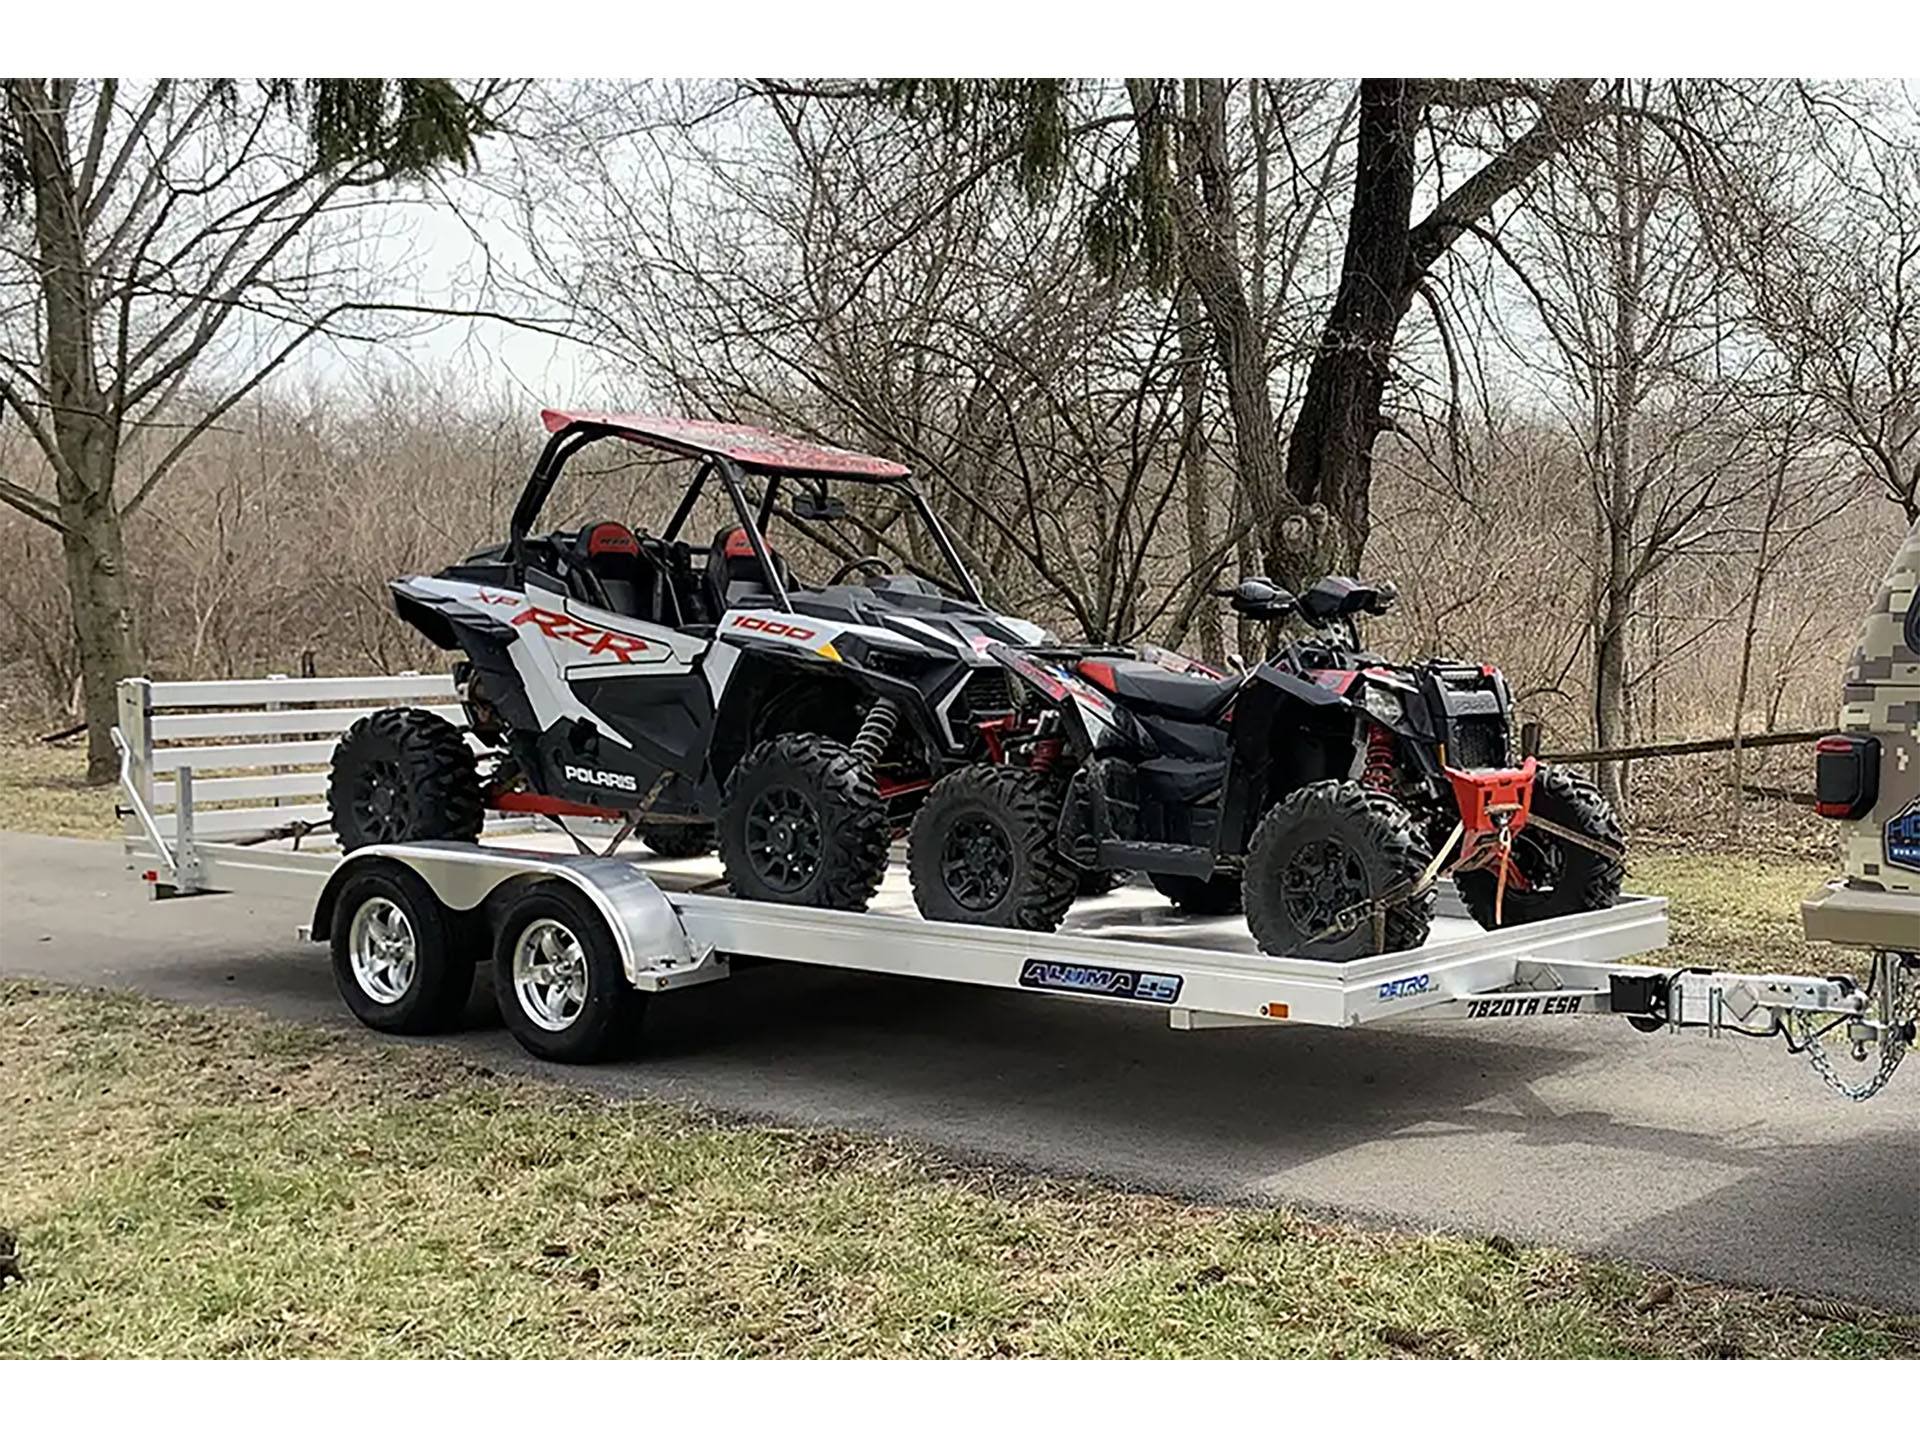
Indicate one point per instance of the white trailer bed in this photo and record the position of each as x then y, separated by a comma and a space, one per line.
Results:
225, 781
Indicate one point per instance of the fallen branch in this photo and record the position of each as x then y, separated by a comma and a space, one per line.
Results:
1688, 747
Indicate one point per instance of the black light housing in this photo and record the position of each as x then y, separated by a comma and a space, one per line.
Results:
1846, 778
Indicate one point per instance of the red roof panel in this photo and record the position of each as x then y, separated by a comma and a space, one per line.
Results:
746, 445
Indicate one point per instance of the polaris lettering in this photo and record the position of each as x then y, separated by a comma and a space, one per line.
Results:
605, 779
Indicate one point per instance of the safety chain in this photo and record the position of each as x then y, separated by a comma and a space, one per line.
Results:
1903, 976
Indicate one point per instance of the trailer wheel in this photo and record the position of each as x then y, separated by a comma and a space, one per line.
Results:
1563, 878
982, 851
403, 774
557, 975
403, 962
802, 824
1319, 852
678, 841
1218, 894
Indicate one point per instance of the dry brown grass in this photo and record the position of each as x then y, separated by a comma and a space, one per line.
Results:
43, 788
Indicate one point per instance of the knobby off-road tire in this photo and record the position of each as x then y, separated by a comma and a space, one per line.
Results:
558, 978
403, 962
1217, 894
403, 774
983, 851
1321, 849
1563, 878
678, 842
802, 824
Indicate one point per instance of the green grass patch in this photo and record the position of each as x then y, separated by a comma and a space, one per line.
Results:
188, 1183
1738, 912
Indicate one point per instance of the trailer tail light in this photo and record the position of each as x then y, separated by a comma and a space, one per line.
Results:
1846, 775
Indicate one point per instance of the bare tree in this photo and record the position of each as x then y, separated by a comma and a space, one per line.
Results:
1624, 283
141, 223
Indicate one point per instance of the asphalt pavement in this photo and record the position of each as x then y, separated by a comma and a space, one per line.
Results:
1724, 1158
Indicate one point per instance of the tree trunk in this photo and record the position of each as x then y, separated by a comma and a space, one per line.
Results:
1329, 470
1193, 469
1202, 202
1611, 663
85, 428
103, 622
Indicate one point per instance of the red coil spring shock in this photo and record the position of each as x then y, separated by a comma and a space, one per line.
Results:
1045, 752
1379, 774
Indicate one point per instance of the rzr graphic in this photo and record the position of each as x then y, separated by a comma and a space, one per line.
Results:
1317, 790
694, 689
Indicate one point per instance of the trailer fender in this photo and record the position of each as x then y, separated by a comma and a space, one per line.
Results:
467, 877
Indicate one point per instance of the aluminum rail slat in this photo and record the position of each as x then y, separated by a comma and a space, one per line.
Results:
244, 787
186, 725
375, 689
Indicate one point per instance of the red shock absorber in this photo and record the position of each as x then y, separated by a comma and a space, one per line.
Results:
1379, 772
1046, 751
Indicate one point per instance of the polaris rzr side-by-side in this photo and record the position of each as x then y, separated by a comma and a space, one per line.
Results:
1324, 791
699, 692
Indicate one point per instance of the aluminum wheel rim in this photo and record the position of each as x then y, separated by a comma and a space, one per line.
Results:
382, 951
550, 974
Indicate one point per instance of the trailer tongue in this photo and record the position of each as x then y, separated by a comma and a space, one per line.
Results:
579, 942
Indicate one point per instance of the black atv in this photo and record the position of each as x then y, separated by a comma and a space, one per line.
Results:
1324, 791
704, 693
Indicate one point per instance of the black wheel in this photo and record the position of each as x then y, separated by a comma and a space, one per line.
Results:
1322, 851
802, 824
403, 775
1562, 878
677, 842
983, 851
1217, 894
557, 975
403, 962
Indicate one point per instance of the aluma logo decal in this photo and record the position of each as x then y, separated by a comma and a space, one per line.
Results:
1101, 980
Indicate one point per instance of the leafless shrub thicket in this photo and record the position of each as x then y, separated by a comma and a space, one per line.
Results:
1639, 422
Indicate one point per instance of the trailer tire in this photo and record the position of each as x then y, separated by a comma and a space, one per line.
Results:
1582, 879
802, 824
1329, 844
983, 851
403, 774
1217, 894
678, 841
403, 962
557, 975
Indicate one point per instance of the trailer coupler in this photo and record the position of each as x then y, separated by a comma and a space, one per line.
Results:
1877, 1022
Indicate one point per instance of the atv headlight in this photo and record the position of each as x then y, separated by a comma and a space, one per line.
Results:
1384, 705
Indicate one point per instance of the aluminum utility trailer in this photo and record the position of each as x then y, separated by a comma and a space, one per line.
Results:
224, 787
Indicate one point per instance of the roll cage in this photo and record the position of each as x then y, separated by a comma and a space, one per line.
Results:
729, 453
